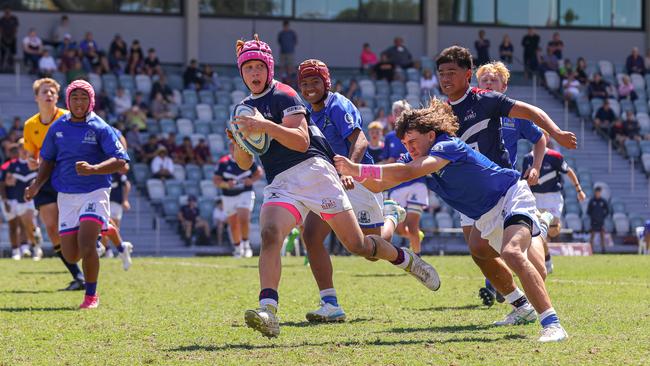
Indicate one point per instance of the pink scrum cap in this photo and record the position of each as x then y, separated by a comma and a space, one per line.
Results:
256, 50
81, 84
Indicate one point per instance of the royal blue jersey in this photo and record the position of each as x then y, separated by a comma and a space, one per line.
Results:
471, 183
337, 121
22, 175
118, 182
550, 176
646, 228
277, 102
228, 170
515, 129
394, 148
479, 115
67, 142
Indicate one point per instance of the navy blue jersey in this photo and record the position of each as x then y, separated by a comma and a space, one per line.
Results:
394, 148
228, 170
67, 142
277, 102
550, 176
470, 183
118, 181
376, 152
479, 115
515, 129
22, 175
338, 120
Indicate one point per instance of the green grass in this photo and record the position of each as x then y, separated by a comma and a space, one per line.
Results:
190, 311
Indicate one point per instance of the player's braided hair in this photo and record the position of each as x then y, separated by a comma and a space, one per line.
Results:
437, 117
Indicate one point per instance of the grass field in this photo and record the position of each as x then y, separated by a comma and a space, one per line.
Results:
190, 311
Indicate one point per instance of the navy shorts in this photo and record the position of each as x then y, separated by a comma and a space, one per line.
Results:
46, 195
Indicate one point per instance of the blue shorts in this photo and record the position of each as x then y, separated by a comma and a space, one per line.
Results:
46, 195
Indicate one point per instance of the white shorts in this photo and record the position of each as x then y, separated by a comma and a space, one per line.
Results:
466, 220
414, 198
552, 202
519, 200
17, 209
368, 206
243, 200
78, 207
116, 211
312, 185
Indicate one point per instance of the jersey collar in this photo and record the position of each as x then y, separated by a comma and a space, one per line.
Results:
469, 88
253, 96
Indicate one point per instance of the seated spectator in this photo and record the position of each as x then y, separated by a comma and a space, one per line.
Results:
185, 152
618, 134
598, 88
170, 143
68, 60
122, 101
646, 59
549, 62
571, 87
626, 89
428, 83
140, 102
635, 63
136, 117
556, 46
32, 49
581, 71
385, 69
17, 126
399, 55
10, 141
103, 103
338, 87
192, 77
76, 72
92, 60
190, 219
160, 86
210, 78
353, 92
162, 166
133, 139
150, 148
46, 65
604, 117
202, 153
87, 43
632, 128
566, 68
160, 108
67, 44
152, 63
506, 49
135, 64
368, 58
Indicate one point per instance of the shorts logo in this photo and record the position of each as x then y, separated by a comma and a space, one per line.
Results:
363, 217
90, 138
91, 207
328, 204
414, 197
64, 225
273, 195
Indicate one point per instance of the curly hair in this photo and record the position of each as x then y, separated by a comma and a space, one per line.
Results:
437, 117
461, 56
496, 67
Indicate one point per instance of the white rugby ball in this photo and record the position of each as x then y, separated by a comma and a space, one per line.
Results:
253, 143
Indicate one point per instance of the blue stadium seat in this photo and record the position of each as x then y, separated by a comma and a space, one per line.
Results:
174, 189
188, 111
190, 97
171, 207
192, 188
126, 82
168, 126
208, 171
155, 190
153, 127
140, 173
193, 172
632, 149
109, 81
202, 127
206, 97
206, 206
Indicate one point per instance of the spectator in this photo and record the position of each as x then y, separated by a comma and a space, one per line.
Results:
506, 50
32, 49
626, 89
160, 108
605, 117
399, 55
556, 45
65, 45
385, 69
118, 44
530, 43
10, 141
210, 78
185, 152
635, 63
59, 31
136, 48
571, 87
581, 71
87, 43
117, 55
135, 64
122, 101
368, 58
632, 128
46, 65
136, 117
598, 88
219, 219
597, 210
376, 141
162, 166
353, 92
170, 142
566, 68
482, 46
76, 72
646, 59
152, 63
382, 118
617, 134
133, 139
103, 103
8, 32
150, 148
288, 40
338, 87
17, 127
428, 83
160, 86
191, 220
140, 102
192, 77
549, 62
202, 153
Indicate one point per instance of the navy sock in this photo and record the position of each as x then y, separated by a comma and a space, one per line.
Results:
520, 302
269, 296
73, 268
91, 288
547, 257
400, 257
120, 248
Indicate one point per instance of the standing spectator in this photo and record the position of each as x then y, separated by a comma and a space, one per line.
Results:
32, 49
597, 210
626, 89
376, 141
191, 220
162, 166
428, 83
385, 68
399, 55
122, 101
556, 45
368, 58
219, 219
530, 43
59, 31
152, 63
8, 31
598, 88
192, 76
604, 117
635, 63
571, 87
506, 50
160, 86
88, 43
482, 46
288, 40
581, 71
46, 65
202, 153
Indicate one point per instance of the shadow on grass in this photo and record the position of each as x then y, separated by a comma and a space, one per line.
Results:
377, 342
442, 329
28, 291
41, 272
444, 308
379, 275
24, 310
304, 324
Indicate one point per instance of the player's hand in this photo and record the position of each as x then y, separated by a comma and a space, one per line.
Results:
248, 182
33, 163
126, 205
348, 182
581, 196
83, 168
566, 138
531, 176
346, 167
31, 191
251, 124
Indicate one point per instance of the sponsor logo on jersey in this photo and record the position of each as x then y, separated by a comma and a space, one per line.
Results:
469, 115
90, 138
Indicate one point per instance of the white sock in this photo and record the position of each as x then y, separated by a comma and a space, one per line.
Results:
407, 259
245, 243
267, 301
327, 292
514, 295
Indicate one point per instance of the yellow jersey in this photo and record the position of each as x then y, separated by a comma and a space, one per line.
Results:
34, 132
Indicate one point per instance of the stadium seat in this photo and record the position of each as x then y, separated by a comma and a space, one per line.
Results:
208, 170
153, 127
225, 83
188, 111
196, 137
206, 206
626, 105
645, 146
616, 107
193, 172
208, 189
143, 84
367, 115
206, 97
640, 105
428, 222
632, 149
638, 81
618, 206
444, 220
109, 81
190, 97
168, 126
217, 143
397, 87
584, 109
192, 188
367, 88
572, 208
552, 80
96, 81
171, 208
126, 82
238, 84
645, 160
155, 190
414, 101
221, 113
204, 112
175, 81
223, 98
140, 174
413, 74
179, 172
573, 222
202, 127
217, 126
621, 223
237, 96
184, 126
174, 189
427, 62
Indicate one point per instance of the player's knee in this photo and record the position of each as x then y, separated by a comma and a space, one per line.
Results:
271, 235
513, 257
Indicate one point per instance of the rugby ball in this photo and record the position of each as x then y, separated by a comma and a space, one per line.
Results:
254, 143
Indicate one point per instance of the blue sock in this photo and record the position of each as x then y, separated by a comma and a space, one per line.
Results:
549, 317
329, 296
91, 288
120, 248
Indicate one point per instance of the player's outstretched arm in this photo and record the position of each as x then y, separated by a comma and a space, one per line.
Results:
539, 117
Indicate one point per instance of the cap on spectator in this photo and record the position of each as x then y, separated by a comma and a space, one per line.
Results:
161, 149
375, 125
598, 189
